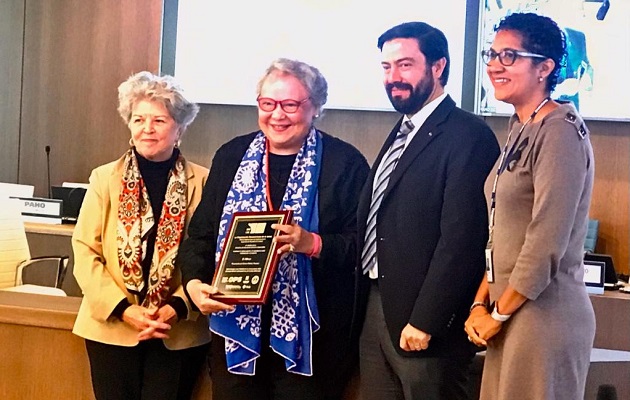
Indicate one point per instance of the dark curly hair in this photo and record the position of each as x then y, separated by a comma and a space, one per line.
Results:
540, 35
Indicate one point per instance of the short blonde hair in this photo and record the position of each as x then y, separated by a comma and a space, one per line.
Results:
147, 86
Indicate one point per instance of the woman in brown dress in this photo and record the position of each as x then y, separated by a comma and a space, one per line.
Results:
540, 325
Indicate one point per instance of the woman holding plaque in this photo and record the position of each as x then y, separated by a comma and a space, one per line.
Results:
297, 345
532, 312
143, 339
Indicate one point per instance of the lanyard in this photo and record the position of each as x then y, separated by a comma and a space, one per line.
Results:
269, 202
493, 197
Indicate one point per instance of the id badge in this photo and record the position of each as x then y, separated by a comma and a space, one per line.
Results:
489, 265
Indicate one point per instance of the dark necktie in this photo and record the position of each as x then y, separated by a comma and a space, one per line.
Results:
368, 256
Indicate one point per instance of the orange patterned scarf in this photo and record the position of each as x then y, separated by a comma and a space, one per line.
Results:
135, 220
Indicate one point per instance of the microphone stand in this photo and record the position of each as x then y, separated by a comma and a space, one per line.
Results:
48, 170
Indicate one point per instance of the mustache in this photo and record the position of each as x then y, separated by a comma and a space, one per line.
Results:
398, 85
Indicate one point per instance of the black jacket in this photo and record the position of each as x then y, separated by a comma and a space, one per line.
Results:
342, 175
432, 228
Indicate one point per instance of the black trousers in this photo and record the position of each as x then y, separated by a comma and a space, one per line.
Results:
387, 375
146, 371
271, 381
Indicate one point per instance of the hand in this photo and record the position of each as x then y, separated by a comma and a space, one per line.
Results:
481, 327
413, 339
145, 321
201, 294
165, 314
293, 238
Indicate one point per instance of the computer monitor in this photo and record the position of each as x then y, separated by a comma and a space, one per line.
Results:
610, 275
72, 199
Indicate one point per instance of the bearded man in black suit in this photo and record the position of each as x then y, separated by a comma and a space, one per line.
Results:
422, 228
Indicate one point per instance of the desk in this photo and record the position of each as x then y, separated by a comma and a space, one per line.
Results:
55, 240
41, 358
612, 314
49, 229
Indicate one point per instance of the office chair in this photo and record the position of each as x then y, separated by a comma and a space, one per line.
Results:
18, 271
591, 236
43, 271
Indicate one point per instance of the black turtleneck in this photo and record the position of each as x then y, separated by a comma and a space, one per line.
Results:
155, 177
279, 171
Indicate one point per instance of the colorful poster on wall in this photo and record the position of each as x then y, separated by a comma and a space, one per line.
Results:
598, 60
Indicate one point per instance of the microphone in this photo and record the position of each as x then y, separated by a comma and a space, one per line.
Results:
48, 170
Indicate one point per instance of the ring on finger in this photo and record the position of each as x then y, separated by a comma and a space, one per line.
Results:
469, 339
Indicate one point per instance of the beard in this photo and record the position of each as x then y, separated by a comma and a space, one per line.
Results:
418, 95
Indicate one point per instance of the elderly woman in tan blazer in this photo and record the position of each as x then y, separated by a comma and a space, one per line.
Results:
143, 339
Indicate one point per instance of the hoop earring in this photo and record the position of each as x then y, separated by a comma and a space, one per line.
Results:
131, 142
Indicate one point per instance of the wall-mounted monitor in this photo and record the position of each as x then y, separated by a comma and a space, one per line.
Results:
598, 63
222, 48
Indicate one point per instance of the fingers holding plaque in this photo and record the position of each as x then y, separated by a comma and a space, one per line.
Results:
248, 261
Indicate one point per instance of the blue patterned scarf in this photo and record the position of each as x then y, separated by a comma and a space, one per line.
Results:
294, 307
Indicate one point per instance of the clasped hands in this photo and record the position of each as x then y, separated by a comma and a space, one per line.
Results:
151, 323
481, 327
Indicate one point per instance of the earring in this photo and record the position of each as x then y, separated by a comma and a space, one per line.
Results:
131, 142
177, 144
540, 79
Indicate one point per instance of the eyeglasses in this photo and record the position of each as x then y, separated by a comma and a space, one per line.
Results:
288, 106
507, 56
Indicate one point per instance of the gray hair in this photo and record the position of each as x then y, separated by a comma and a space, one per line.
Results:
163, 89
309, 76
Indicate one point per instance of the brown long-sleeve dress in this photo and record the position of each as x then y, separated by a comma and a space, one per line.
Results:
543, 199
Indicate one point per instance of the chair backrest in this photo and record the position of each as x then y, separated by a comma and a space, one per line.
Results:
13, 244
591, 236
47, 271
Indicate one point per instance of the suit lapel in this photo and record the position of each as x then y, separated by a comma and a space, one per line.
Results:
427, 132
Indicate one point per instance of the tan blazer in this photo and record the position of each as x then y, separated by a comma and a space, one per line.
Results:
97, 270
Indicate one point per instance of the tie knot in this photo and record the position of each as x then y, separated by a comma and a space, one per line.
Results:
406, 127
